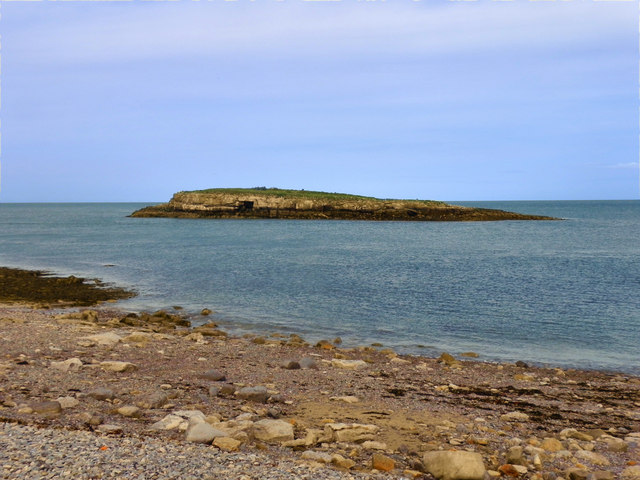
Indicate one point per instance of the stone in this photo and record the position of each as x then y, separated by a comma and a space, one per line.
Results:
515, 417
616, 444
308, 363
320, 457
382, 462
515, 456
102, 393
214, 375
577, 474
454, 465
205, 312
155, 400
70, 365
592, 457
290, 365
254, 394
573, 433
372, 445
602, 475
449, 360
138, 337
399, 361
68, 402
107, 339
202, 432
108, 428
348, 364
339, 461
551, 444
469, 354
47, 407
508, 470
311, 438
89, 315
227, 444
631, 473
92, 419
116, 366
169, 422
272, 431
595, 433
194, 416
226, 389
129, 411
346, 399
351, 432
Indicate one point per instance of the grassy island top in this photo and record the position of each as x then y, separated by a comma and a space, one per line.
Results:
263, 202
307, 194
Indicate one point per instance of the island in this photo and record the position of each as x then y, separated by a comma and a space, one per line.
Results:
262, 202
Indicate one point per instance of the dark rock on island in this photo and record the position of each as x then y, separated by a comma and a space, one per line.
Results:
302, 204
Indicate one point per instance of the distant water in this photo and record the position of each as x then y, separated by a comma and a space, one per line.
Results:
559, 293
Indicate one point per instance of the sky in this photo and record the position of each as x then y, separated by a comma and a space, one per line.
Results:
106, 101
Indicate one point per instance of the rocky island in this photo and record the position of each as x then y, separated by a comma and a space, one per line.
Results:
302, 204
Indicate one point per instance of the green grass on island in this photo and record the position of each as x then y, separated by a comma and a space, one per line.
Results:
307, 194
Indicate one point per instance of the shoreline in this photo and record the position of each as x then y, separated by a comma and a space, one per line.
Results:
44, 289
348, 411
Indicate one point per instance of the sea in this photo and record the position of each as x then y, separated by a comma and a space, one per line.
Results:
556, 293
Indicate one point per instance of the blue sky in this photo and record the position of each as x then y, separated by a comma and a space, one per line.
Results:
434, 99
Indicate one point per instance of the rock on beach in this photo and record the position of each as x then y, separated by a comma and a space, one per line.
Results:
454, 465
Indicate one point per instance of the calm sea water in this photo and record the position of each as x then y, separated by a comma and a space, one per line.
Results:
559, 293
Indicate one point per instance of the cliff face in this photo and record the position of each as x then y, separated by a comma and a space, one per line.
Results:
251, 203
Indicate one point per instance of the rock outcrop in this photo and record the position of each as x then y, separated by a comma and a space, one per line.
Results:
301, 204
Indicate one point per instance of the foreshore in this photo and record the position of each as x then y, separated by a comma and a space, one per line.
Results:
101, 393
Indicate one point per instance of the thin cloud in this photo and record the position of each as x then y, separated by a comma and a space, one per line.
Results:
148, 31
631, 165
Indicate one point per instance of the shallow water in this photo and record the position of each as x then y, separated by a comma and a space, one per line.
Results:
563, 293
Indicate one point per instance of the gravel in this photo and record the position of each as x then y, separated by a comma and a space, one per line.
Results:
37, 454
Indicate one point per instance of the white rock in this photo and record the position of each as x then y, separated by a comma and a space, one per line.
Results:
107, 339
169, 422
203, 433
346, 399
273, 431
194, 415
348, 364
454, 465
68, 402
70, 365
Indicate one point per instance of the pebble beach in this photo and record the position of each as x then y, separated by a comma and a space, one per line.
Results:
94, 392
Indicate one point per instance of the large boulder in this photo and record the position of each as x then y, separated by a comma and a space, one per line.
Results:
454, 465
